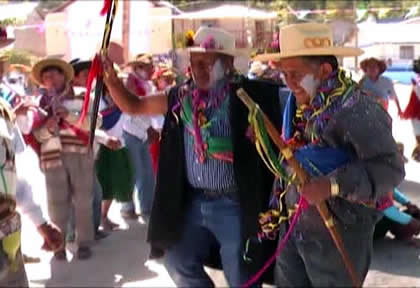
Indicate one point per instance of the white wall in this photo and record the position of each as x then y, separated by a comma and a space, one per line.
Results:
150, 29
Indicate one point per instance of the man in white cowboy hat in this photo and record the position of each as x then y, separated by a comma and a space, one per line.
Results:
64, 152
331, 125
211, 183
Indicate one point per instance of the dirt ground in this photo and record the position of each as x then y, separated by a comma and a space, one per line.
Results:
119, 260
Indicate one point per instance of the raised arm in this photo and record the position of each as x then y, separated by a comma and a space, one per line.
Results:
128, 102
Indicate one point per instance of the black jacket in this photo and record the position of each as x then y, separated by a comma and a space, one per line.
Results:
253, 178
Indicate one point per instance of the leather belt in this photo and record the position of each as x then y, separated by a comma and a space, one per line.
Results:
231, 193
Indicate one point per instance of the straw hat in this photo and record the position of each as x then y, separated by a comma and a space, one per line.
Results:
24, 69
141, 59
164, 70
209, 39
4, 58
4, 40
52, 62
373, 61
308, 39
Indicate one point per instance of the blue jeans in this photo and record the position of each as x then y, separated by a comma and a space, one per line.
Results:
208, 222
97, 203
143, 173
97, 210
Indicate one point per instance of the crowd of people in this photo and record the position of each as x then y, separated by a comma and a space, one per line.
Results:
183, 156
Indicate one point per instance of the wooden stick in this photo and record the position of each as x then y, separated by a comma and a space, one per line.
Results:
303, 177
99, 89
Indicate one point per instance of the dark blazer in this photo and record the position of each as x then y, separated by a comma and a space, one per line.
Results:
172, 194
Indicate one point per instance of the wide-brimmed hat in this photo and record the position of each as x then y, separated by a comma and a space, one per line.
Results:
308, 39
52, 62
209, 39
80, 65
373, 61
4, 39
21, 68
4, 58
164, 70
141, 59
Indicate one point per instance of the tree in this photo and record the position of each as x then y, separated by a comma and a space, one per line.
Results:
16, 56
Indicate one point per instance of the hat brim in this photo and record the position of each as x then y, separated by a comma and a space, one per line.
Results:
20, 67
63, 65
134, 63
233, 53
6, 42
4, 58
336, 51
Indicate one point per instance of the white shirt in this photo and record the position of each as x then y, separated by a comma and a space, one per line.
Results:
138, 125
117, 130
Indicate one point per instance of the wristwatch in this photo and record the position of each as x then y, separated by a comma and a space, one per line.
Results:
335, 189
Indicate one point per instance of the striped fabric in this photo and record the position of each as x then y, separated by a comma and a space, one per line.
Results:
68, 141
212, 174
51, 158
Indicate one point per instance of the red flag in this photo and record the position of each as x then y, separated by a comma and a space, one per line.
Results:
106, 7
95, 71
412, 111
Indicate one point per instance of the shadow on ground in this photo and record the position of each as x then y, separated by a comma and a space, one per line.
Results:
110, 266
396, 258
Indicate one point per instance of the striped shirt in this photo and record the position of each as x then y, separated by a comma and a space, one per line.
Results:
212, 174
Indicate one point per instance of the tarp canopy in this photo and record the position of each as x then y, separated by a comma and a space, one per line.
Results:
228, 11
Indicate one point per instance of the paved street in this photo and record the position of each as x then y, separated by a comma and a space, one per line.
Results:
119, 260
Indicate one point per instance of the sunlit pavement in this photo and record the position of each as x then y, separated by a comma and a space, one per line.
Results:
120, 259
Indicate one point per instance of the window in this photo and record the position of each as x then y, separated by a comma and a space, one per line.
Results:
407, 52
210, 23
260, 33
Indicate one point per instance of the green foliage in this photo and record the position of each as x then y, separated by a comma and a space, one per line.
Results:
16, 56
11, 22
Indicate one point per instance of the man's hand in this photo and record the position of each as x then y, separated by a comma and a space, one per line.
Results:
416, 153
110, 75
22, 108
61, 112
414, 226
52, 124
412, 209
316, 190
152, 135
113, 143
53, 238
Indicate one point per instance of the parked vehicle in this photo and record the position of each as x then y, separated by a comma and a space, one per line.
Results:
400, 73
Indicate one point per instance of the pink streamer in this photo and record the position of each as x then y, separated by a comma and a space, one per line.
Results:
303, 205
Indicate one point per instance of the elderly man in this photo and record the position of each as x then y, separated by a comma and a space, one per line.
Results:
330, 125
64, 156
211, 183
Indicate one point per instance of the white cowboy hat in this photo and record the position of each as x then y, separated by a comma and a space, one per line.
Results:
141, 59
52, 62
209, 39
308, 39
